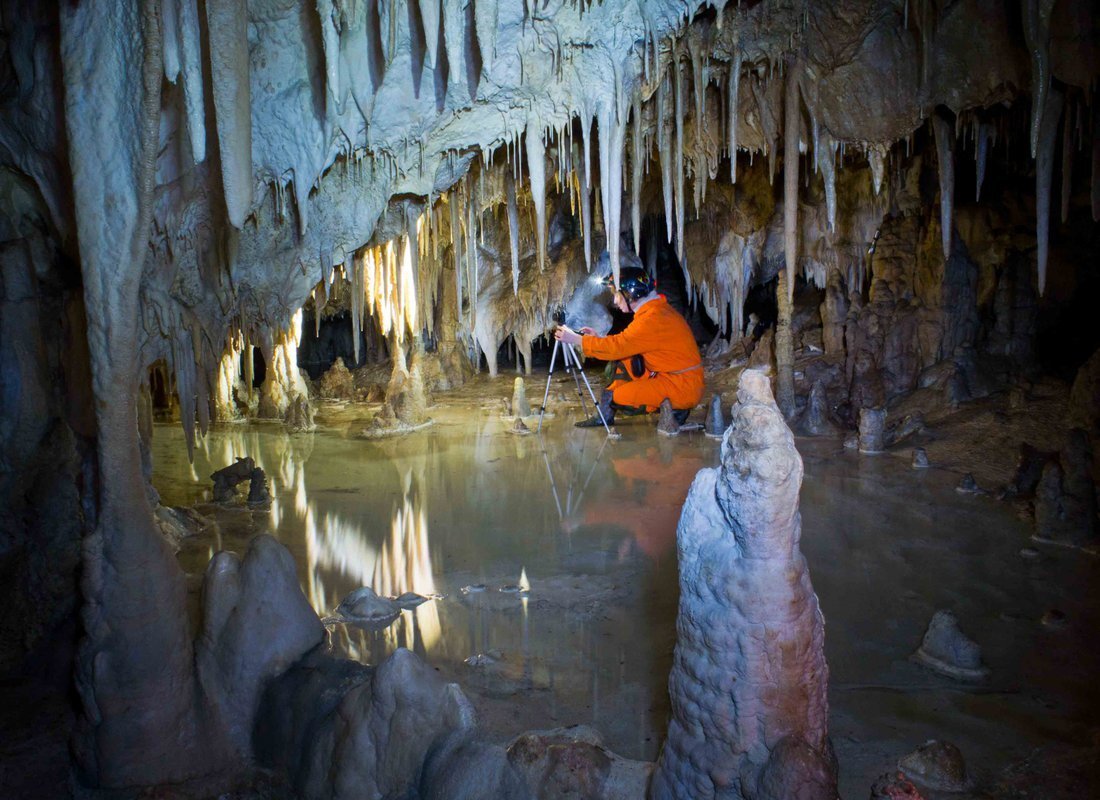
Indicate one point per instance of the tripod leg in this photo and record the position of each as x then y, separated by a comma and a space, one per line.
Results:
571, 355
546, 394
597, 405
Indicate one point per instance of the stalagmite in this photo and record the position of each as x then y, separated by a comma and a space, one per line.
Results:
536, 168
945, 158
732, 113
1044, 173
227, 28
513, 226
191, 69
749, 680
429, 16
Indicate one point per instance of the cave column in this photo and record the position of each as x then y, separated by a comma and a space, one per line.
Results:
784, 348
784, 290
134, 668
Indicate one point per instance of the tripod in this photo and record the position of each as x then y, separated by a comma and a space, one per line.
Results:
573, 365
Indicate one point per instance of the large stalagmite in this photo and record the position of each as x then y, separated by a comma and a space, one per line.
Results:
748, 682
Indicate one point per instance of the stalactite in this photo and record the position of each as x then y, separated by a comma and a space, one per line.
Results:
636, 161
698, 89
513, 227
454, 27
586, 187
678, 158
376, 51
1036, 21
472, 277
945, 158
407, 280
876, 157
790, 172
732, 115
485, 12
169, 24
612, 129
1095, 193
536, 169
665, 154
191, 69
1067, 162
472, 51
826, 161
356, 281
985, 135
1044, 171
456, 250
330, 44
227, 28
429, 16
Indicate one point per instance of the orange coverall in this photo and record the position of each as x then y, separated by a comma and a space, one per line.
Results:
673, 366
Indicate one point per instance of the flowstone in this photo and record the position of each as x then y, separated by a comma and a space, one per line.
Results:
748, 682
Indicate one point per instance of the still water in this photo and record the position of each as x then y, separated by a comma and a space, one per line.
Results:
586, 522
589, 524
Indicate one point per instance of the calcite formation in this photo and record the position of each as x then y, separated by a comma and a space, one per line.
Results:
748, 682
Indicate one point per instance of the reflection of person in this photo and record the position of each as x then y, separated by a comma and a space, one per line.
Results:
646, 499
670, 365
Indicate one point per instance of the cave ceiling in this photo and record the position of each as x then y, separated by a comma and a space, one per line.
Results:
294, 136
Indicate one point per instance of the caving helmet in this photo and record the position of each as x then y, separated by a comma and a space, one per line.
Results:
634, 282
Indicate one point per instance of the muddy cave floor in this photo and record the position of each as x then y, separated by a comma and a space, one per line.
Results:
466, 508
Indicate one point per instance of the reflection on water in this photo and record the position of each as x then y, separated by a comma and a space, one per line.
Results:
571, 535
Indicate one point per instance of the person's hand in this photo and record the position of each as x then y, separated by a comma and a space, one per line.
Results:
586, 331
564, 334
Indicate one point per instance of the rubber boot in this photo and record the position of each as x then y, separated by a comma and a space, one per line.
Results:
608, 413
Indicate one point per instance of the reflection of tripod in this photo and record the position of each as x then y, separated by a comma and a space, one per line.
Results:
573, 365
